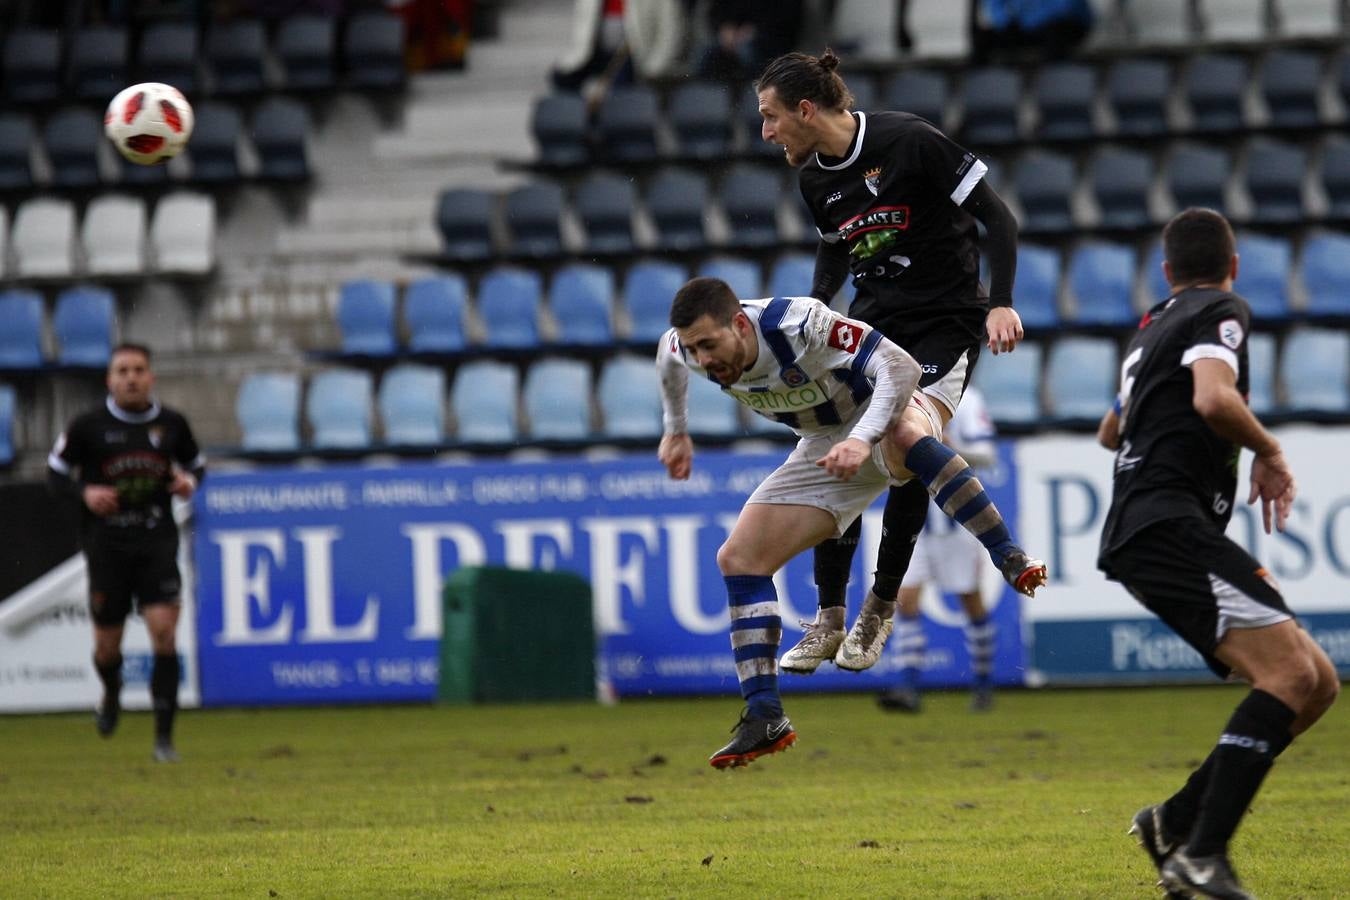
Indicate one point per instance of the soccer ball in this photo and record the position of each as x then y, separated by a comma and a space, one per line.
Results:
149, 123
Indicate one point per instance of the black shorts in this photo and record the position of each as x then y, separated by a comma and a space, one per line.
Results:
1200, 586
946, 346
118, 571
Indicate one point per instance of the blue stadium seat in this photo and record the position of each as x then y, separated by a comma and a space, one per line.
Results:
234, 53
307, 48
749, 195
605, 204
1315, 370
1214, 85
676, 199
1196, 176
16, 145
484, 403
21, 336
1036, 290
8, 402
1101, 279
268, 411
280, 129
365, 317
711, 412
1010, 383
72, 137
508, 305
791, 275
214, 148
1080, 378
581, 298
412, 405
83, 324
434, 310
1289, 84
742, 274
168, 52
31, 66
648, 290
1065, 93
1336, 176
1325, 266
337, 406
1155, 282
464, 217
626, 125
533, 214
98, 62
630, 398
991, 98
700, 116
1264, 265
1121, 180
1275, 173
922, 92
1137, 90
1044, 184
558, 124
557, 400
1261, 373
372, 51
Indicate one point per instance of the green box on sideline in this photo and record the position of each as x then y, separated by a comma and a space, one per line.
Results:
516, 635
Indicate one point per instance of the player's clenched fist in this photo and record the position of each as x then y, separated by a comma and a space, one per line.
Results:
845, 458
677, 455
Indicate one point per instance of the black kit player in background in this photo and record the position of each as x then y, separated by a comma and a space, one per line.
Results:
895, 201
1180, 423
123, 462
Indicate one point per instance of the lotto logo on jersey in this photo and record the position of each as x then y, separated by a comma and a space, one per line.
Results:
846, 336
1230, 333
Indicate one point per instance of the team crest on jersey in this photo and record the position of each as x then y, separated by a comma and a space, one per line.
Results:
1230, 333
156, 434
872, 178
793, 376
845, 336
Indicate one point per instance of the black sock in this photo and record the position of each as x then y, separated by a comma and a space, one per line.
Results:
1180, 810
164, 693
906, 511
110, 673
833, 559
1244, 755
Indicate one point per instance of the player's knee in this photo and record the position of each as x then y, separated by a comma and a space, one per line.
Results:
732, 559
1298, 678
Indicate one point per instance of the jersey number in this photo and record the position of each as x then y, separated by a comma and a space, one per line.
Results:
1126, 379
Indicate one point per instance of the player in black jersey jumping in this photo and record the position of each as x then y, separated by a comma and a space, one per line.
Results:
895, 202
123, 462
1179, 425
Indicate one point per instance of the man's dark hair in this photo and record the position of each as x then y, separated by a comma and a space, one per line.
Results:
798, 76
130, 347
1198, 245
704, 297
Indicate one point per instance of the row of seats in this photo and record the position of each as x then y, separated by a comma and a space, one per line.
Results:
73, 144
42, 66
112, 239
83, 327
8, 411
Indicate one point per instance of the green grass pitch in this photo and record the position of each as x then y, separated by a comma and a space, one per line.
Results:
1030, 800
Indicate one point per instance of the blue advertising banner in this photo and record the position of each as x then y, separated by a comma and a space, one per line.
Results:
319, 586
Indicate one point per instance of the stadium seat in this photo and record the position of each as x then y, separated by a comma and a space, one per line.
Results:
1081, 378
712, 414
1196, 176
214, 148
1010, 383
484, 403
372, 51
280, 130
1044, 183
1101, 280
183, 233
168, 52
946, 29
307, 47
365, 318
1121, 181
1036, 290
21, 337
1343, 78
557, 399
1155, 282
1310, 18
1325, 267
4, 240
1263, 275
1289, 85
1275, 173
234, 53
676, 199
72, 137
1164, 22
434, 309
605, 204
411, 399
98, 62
626, 125
630, 398
558, 124
743, 275
113, 234
747, 111
1136, 91
991, 98
464, 217
337, 406
648, 290
44, 238
1065, 93
8, 402
17, 140
267, 408
922, 92
1315, 370
1234, 20
700, 116
791, 275
83, 324
508, 305
1261, 373
1336, 176
32, 66
581, 298
1213, 86
749, 195
533, 214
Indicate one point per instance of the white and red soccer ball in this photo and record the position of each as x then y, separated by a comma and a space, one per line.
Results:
149, 123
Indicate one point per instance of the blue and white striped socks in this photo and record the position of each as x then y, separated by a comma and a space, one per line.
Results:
913, 643
980, 642
756, 629
954, 487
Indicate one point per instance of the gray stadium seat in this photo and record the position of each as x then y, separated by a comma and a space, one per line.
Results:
533, 216
411, 400
1335, 174
16, 148
114, 236
183, 233
558, 124
31, 66
1137, 92
280, 133
372, 51
234, 52
98, 62
338, 407
991, 97
1197, 176
700, 116
72, 137
1214, 85
483, 399
214, 148
749, 195
605, 203
168, 53
43, 239
1044, 183
267, 409
464, 218
557, 398
626, 125
922, 92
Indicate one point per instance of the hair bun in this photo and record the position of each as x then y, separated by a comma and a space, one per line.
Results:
828, 61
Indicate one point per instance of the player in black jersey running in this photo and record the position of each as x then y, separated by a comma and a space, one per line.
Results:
1179, 425
895, 202
123, 462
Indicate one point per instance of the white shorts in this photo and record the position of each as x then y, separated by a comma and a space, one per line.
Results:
946, 555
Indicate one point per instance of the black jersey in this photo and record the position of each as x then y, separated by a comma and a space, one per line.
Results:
1170, 463
133, 452
895, 200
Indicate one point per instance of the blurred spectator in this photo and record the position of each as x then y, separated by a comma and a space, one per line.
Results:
747, 35
437, 32
1049, 29
618, 41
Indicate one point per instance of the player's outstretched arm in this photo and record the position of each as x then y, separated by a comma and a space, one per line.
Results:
895, 375
676, 452
677, 455
1003, 325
